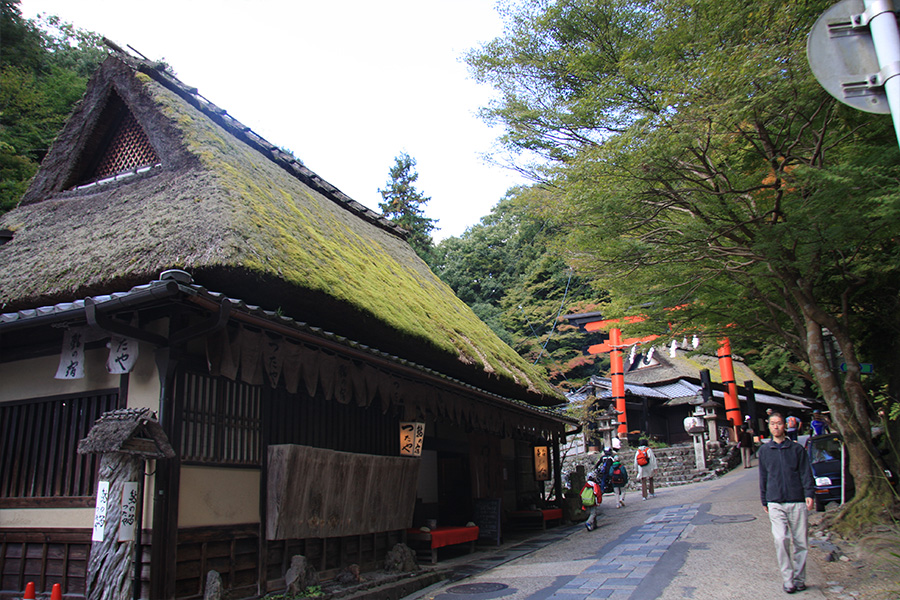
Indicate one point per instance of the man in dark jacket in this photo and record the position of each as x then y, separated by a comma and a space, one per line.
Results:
787, 488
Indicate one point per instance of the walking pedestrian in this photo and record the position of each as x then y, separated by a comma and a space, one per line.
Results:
746, 444
793, 427
603, 468
619, 478
591, 497
644, 467
787, 488
818, 425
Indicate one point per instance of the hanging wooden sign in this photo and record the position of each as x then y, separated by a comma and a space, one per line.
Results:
412, 436
541, 463
130, 501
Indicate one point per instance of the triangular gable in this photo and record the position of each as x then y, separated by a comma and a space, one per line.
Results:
115, 133
117, 144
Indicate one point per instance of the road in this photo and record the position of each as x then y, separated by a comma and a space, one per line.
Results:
705, 541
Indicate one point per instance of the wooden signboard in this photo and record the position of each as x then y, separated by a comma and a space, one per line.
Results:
319, 493
487, 517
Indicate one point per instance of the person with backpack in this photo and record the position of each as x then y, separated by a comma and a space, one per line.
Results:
618, 478
644, 466
793, 427
603, 467
591, 497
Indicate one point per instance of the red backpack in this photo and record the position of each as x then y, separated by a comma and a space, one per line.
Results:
642, 458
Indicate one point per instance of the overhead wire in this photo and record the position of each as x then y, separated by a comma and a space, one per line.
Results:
559, 312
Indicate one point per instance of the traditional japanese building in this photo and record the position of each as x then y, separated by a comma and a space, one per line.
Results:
320, 388
663, 386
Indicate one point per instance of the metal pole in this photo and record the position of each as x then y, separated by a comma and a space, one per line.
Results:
843, 472
886, 37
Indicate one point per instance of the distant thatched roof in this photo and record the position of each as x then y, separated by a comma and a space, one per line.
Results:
243, 218
127, 431
686, 365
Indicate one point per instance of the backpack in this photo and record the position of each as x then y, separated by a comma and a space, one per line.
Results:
792, 423
605, 464
619, 478
642, 458
588, 497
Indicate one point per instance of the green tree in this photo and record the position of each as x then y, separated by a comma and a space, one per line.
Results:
404, 205
507, 269
44, 68
702, 167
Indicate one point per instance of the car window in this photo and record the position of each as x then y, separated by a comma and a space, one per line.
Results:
825, 449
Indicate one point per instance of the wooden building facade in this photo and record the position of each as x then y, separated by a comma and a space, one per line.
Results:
166, 257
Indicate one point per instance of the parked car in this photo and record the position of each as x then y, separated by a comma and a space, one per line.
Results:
825, 458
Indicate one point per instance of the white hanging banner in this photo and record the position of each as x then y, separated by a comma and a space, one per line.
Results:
123, 353
129, 511
71, 359
100, 511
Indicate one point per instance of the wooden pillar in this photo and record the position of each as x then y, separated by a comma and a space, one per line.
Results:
732, 407
557, 471
110, 572
164, 540
617, 377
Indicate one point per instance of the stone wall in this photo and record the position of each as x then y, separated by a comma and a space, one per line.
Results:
676, 464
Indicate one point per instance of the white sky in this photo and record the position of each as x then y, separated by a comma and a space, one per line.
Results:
346, 85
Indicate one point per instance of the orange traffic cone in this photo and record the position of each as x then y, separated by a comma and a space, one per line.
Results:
29, 591
56, 592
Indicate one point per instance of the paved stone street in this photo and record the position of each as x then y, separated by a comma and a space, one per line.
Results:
705, 541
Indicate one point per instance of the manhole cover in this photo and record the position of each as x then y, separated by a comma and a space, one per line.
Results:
734, 519
477, 588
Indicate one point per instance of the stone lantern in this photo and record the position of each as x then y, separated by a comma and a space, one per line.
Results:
694, 425
607, 423
709, 407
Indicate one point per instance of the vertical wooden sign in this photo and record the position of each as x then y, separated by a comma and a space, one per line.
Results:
129, 511
412, 436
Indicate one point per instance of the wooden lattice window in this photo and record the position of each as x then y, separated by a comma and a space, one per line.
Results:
128, 149
38, 441
117, 144
220, 421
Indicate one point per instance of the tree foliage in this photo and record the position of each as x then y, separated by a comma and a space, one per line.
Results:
44, 68
507, 269
703, 169
405, 205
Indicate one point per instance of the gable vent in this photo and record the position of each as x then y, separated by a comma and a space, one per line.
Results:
128, 149
118, 144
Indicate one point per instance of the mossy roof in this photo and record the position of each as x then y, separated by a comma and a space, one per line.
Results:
245, 219
688, 365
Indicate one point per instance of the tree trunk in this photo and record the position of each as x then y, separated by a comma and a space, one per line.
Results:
110, 572
850, 415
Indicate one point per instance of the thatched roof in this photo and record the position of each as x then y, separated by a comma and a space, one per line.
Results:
127, 431
242, 218
685, 365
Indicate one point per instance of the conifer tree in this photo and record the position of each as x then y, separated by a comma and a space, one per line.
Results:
404, 205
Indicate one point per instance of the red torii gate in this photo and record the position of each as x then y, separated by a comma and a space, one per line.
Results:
615, 345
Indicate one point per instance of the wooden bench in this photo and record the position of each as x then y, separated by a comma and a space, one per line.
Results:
444, 536
536, 517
